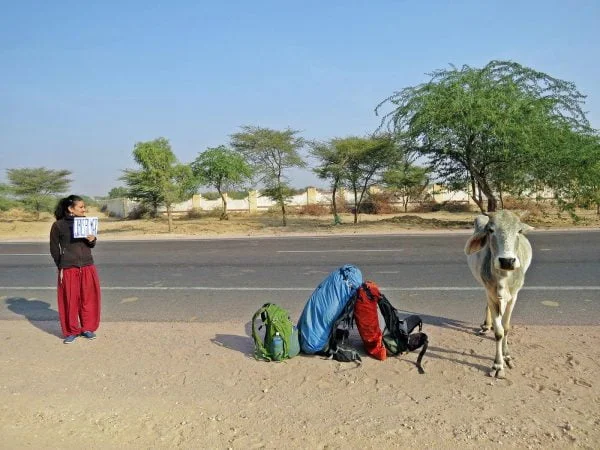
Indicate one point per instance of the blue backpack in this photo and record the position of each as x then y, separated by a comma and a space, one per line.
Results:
324, 309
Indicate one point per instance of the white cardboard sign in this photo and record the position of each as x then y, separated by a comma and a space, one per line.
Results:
85, 226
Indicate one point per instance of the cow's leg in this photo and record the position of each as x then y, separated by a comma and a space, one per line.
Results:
487, 322
506, 325
498, 367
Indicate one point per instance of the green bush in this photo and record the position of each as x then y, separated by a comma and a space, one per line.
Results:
7, 203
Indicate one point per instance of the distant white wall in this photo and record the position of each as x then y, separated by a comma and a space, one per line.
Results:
122, 207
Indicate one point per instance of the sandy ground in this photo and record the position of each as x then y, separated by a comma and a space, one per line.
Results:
190, 385
186, 385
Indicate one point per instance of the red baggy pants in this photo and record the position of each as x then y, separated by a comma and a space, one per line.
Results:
79, 300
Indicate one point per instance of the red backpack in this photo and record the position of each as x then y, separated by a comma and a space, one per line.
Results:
399, 334
367, 319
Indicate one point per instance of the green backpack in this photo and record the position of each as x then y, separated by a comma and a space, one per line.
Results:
276, 320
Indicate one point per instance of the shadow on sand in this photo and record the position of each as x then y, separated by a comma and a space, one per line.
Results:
240, 343
245, 343
37, 312
457, 356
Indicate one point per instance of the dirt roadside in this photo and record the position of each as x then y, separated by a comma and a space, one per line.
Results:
191, 385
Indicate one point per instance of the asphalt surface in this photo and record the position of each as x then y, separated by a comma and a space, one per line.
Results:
229, 279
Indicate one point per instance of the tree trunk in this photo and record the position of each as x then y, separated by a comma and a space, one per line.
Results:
476, 195
333, 200
283, 218
356, 207
224, 215
492, 202
336, 218
170, 219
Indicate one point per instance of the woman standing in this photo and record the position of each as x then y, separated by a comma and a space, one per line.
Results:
78, 293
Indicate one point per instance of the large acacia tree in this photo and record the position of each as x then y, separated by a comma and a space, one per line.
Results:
573, 169
161, 179
223, 169
487, 127
271, 152
37, 187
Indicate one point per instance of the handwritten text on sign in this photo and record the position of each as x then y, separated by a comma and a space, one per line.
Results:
85, 226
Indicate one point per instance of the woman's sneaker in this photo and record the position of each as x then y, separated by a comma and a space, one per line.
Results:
89, 335
70, 339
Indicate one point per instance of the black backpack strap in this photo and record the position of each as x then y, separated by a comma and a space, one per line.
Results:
415, 341
389, 314
333, 349
400, 332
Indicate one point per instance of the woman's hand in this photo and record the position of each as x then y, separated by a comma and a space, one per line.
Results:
91, 238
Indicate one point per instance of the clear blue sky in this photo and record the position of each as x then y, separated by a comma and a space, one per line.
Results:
81, 82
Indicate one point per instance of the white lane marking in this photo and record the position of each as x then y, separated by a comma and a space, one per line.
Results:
550, 303
233, 288
348, 250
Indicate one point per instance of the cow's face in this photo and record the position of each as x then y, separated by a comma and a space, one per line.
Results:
501, 230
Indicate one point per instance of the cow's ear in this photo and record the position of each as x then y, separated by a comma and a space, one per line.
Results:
475, 243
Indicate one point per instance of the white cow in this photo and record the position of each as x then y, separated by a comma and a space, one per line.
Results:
498, 255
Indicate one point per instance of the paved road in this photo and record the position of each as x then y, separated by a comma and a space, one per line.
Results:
214, 280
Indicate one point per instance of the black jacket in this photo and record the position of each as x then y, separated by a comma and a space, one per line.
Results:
67, 251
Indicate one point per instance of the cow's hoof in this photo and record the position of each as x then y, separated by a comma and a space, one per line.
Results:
482, 330
509, 362
497, 373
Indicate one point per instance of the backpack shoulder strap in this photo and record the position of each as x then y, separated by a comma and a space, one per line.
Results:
260, 352
388, 312
333, 350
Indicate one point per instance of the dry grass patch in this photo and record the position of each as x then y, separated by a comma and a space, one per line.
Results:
21, 225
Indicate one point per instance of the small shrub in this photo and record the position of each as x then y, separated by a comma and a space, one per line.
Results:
532, 206
313, 210
140, 211
382, 203
425, 207
454, 206
7, 204
195, 213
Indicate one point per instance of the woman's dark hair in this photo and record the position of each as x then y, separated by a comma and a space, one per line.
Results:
62, 207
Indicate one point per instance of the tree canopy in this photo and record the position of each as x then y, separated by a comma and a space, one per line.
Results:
356, 163
161, 179
38, 187
332, 162
365, 161
488, 128
222, 169
118, 192
406, 181
271, 152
